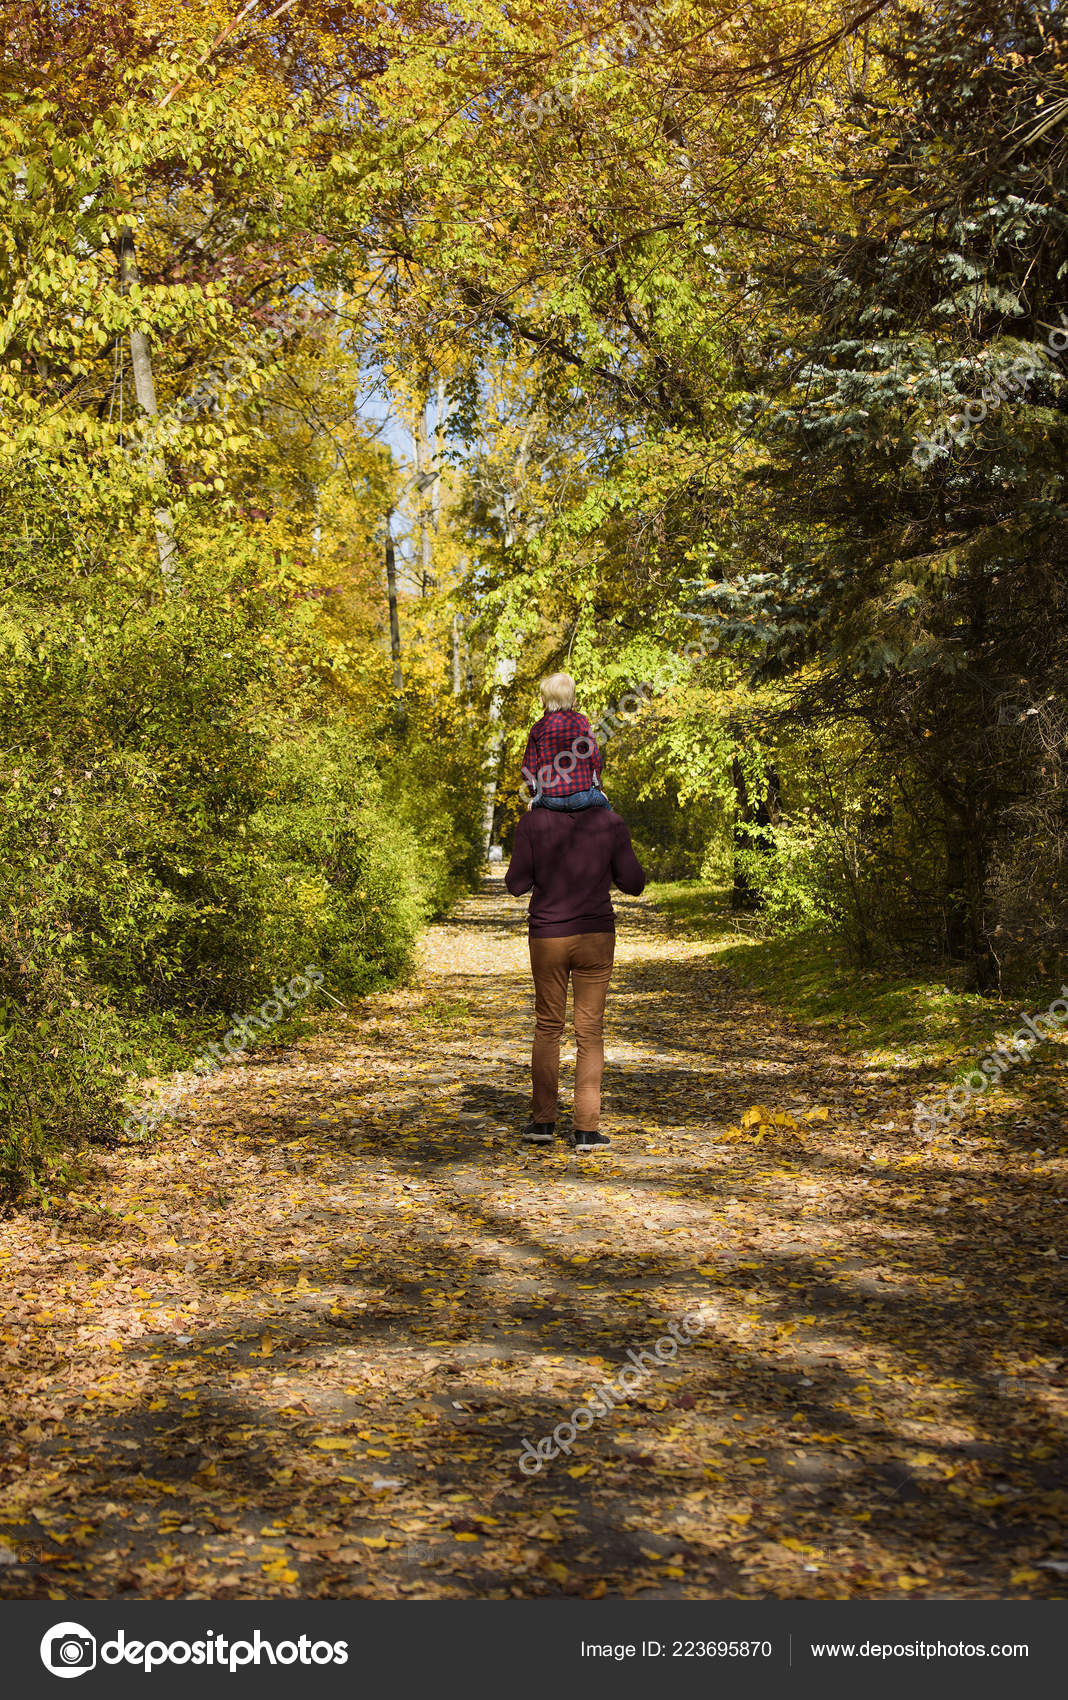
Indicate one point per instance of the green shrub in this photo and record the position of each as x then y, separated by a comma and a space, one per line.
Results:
790, 867
190, 813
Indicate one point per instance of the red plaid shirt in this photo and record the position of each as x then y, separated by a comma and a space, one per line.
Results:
557, 734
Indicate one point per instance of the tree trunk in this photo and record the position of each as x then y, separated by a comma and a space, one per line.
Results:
400, 711
493, 763
748, 834
504, 676
439, 450
422, 464
965, 920
145, 390
456, 681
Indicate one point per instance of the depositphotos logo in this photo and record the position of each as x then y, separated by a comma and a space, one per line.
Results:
70, 1650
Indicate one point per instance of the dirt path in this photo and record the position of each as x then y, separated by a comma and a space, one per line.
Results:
295, 1349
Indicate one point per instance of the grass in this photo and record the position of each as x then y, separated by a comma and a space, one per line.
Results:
440, 1013
901, 1019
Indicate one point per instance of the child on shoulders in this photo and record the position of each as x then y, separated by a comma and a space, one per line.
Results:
562, 764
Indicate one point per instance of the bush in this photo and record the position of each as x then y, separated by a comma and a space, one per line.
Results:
59, 1078
190, 815
789, 867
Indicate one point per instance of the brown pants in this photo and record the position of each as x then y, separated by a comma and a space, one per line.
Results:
587, 958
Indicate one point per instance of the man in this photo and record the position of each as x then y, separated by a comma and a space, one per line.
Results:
569, 862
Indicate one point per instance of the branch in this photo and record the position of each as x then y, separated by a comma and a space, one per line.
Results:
223, 36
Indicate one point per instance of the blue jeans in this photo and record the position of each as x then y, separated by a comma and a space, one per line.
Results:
591, 799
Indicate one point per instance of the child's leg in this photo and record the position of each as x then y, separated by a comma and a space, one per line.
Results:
591, 799
594, 798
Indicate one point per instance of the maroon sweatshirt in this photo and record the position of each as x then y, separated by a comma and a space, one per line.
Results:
569, 861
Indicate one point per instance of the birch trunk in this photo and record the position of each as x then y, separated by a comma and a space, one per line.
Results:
145, 391
439, 450
456, 655
493, 765
400, 711
504, 675
422, 462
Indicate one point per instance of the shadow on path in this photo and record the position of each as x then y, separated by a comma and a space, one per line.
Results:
298, 1349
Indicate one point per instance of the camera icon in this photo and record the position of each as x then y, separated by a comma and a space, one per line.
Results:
68, 1649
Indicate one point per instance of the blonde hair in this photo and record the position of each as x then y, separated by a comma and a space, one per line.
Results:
557, 691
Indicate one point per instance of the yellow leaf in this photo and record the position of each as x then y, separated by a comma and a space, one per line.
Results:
376, 1541
1019, 1577
278, 1571
580, 1469
739, 1516
465, 1537
340, 1446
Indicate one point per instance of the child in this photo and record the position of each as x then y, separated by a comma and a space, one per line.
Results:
562, 763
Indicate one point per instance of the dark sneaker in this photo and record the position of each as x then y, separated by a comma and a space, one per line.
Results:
589, 1141
538, 1133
